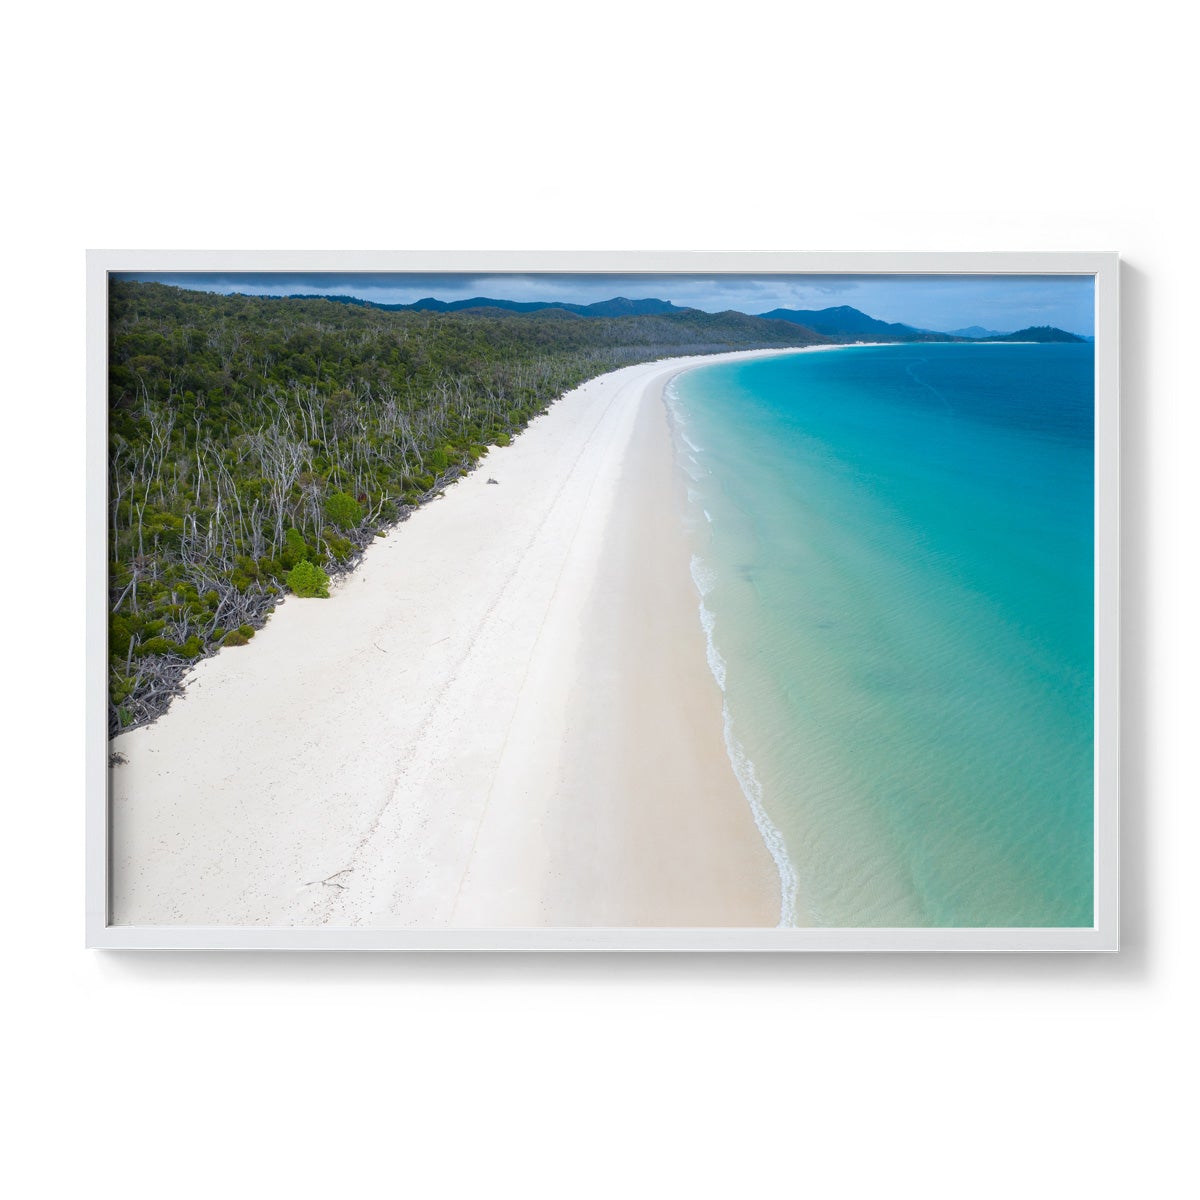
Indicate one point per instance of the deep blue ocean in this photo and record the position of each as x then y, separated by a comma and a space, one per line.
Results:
894, 553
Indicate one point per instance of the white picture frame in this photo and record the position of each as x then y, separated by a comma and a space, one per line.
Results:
1104, 267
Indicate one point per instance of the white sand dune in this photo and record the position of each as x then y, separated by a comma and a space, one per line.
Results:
503, 718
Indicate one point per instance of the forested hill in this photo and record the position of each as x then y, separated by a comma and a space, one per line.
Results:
846, 324
257, 444
1036, 333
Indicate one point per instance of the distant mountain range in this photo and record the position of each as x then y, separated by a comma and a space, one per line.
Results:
618, 306
839, 324
846, 323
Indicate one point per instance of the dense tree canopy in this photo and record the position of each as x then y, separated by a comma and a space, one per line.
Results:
248, 435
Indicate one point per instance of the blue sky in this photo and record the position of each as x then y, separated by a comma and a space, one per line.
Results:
998, 302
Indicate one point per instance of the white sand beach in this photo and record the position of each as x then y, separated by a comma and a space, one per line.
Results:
503, 718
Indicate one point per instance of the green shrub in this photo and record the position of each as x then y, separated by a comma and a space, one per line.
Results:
295, 549
338, 547
155, 645
192, 648
247, 631
163, 524
503, 439
235, 637
342, 509
119, 633
307, 579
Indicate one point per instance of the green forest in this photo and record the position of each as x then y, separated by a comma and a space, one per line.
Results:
258, 445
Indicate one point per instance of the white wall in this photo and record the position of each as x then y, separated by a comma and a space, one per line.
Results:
874, 126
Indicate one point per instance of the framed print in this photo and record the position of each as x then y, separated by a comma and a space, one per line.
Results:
602, 601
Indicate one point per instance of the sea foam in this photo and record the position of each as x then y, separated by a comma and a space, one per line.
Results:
705, 578
743, 768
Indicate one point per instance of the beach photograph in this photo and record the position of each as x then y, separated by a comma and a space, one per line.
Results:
594, 601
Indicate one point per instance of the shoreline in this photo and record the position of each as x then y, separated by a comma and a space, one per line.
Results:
741, 764
439, 745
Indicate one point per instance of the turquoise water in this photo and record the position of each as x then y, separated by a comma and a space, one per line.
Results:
894, 552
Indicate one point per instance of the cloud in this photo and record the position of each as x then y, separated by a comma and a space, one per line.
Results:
925, 301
